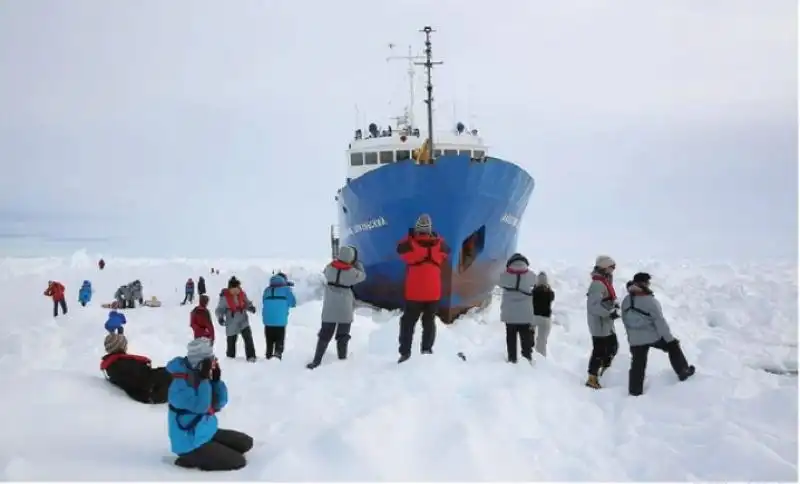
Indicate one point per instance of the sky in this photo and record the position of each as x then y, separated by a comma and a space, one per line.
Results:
203, 128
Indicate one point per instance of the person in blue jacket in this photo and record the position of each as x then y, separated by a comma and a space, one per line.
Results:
85, 293
196, 394
115, 322
277, 300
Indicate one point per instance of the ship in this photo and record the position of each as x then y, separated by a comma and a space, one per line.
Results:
395, 173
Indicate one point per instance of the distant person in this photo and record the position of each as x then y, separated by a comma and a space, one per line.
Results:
56, 291
516, 309
115, 322
543, 296
338, 303
200, 320
196, 395
133, 373
101, 264
277, 299
423, 251
646, 328
188, 292
232, 314
85, 293
602, 309
201, 286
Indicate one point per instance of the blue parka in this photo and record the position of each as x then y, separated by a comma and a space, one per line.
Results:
115, 321
85, 293
277, 299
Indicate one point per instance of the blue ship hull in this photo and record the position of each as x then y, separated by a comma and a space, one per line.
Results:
475, 206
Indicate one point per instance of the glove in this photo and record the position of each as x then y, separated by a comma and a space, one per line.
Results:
251, 309
221, 321
614, 315
216, 373
205, 368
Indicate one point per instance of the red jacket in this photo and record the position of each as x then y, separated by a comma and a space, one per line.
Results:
55, 290
200, 321
424, 255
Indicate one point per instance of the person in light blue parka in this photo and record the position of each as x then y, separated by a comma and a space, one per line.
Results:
85, 293
196, 394
277, 300
115, 322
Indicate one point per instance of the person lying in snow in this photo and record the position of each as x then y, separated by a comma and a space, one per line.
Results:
133, 373
196, 394
115, 322
646, 328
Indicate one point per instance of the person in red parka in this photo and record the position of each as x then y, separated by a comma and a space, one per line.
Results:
56, 291
423, 252
200, 320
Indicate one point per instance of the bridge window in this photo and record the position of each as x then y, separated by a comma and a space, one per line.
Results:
478, 154
450, 152
387, 157
465, 153
471, 248
371, 158
403, 155
348, 180
356, 159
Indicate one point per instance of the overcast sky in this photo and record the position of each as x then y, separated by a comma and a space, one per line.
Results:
208, 128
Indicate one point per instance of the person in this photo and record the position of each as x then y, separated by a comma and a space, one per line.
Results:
133, 373
423, 251
196, 395
123, 297
201, 285
115, 322
200, 320
85, 293
602, 309
516, 309
277, 299
188, 292
232, 314
137, 293
56, 291
646, 328
101, 264
338, 303
543, 297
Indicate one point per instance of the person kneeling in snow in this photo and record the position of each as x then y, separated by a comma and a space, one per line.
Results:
133, 373
646, 327
115, 322
196, 395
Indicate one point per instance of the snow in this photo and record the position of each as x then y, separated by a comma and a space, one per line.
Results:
432, 418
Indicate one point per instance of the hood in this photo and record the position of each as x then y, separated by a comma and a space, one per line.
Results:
277, 280
178, 365
517, 266
86, 283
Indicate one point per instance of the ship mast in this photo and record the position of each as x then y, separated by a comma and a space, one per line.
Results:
429, 63
411, 71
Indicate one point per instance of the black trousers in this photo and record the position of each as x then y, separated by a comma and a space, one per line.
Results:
224, 452
412, 313
525, 335
189, 297
249, 347
275, 337
160, 379
326, 333
639, 362
62, 304
604, 349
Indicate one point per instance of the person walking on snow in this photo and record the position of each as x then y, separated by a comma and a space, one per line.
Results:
56, 291
188, 292
200, 320
115, 322
646, 328
338, 303
602, 309
516, 309
196, 395
232, 314
85, 293
423, 251
201, 286
543, 297
277, 300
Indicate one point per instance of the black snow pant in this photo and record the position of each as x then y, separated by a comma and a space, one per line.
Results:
408, 322
83, 303
523, 332
604, 349
249, 347
189, 297
160, 379
60, 303
224, 452
128, 303
326, 333
639, 362
275, 336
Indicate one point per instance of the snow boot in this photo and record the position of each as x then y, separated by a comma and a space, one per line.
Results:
426, 352
685, 374
341, 349
312, 365
251, 359
592, 382
403, 358
182, 462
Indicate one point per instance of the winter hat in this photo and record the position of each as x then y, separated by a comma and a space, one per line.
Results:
541, 279
347, 254
115, 343
424, 224
198, 350
641, 278
234, 282
517, 258
604, 262
203, 300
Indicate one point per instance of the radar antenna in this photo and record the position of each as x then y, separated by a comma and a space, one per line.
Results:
409, 111
428, 64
